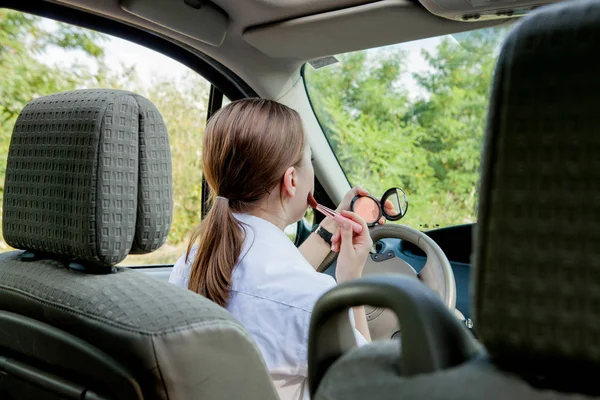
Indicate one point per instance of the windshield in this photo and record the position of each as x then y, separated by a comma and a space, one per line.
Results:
412, 115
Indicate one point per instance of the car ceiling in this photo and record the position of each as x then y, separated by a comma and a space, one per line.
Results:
267, 41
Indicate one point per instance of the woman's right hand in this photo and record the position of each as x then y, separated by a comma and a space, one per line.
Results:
353, 248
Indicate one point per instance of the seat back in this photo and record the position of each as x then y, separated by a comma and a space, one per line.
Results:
88, 181
537, 258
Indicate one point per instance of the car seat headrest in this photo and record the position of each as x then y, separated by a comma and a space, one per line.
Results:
88, 177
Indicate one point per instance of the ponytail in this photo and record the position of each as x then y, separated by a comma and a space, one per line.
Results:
220, 240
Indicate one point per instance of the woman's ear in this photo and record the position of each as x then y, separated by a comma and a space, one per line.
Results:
290, 182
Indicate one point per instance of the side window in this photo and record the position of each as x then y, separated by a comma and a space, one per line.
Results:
292, 230
46, 57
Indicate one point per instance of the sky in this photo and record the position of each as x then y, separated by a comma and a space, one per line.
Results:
148, 63
415, 61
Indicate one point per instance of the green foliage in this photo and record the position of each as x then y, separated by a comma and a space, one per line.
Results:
429, 146
70, 37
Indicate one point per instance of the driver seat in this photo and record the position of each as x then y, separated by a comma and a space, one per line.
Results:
88, 181
537, 242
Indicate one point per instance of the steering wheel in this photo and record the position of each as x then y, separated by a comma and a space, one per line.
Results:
436, 274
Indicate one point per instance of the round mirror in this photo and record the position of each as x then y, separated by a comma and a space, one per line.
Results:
395, 204
368, 208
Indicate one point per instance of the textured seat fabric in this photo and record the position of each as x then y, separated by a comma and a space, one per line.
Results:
368, 373
537, 242
177, 345
88, 182
88, 176
537, 258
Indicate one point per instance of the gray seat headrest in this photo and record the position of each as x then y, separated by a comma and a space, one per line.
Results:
88, 177
537, 296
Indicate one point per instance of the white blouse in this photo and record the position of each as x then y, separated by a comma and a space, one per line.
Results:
274, 290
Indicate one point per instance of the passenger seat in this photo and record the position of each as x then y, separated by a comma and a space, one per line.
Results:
88, 181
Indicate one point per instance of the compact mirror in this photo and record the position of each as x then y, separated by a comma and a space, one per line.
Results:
368, 208
396, 204
393, 206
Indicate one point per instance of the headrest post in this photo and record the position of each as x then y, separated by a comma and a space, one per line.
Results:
91, 269
29, 256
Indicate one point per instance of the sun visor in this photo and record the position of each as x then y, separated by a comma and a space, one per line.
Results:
365, 26
198, 19
477, 10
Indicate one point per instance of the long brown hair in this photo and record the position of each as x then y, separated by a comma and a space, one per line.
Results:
248, 146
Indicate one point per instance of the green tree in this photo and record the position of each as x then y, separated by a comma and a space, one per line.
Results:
430, 146
451, 120
361, 107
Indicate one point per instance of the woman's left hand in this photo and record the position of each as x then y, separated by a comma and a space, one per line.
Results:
355, 191
344, 205
354, 248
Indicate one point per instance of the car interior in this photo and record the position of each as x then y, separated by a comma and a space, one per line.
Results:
503, 305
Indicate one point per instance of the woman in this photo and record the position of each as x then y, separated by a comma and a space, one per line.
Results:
257, 163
